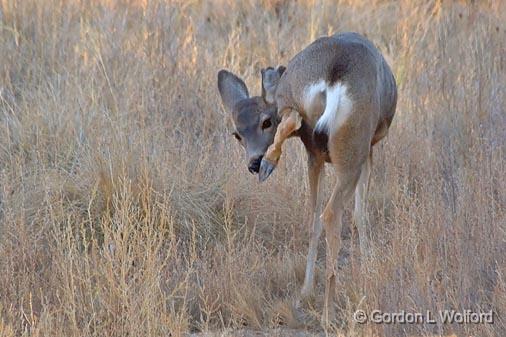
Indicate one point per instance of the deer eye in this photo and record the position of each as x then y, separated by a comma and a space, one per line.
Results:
236, 135
266, 124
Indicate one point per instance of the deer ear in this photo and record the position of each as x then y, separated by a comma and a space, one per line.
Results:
281, 70
232, 89
270, 80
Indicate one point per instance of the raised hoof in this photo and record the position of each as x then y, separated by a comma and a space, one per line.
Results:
266, 168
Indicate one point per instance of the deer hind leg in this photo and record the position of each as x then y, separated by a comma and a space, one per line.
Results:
291, 121
331, 218
315, 166
360, 212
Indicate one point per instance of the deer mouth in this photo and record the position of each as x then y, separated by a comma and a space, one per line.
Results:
254, 165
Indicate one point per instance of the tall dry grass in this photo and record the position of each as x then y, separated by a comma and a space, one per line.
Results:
125, 205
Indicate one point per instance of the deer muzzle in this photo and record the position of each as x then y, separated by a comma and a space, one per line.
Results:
254, 164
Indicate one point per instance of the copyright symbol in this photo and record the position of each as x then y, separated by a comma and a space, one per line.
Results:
360, 316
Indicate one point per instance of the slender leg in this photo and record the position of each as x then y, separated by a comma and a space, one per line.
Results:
331, 218
360, 213
290, 122
315, 175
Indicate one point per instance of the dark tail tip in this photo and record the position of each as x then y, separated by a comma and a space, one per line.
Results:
321, 140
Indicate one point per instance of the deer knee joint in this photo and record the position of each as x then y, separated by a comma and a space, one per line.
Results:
327, 217
331, 270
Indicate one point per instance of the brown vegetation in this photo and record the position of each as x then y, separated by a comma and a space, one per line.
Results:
126, 208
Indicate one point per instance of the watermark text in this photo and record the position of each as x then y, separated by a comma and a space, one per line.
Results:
427, 317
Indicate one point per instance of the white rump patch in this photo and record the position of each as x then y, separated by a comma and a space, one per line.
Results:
337, 109
312, 91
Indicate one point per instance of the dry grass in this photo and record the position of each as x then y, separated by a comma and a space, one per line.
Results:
125, 205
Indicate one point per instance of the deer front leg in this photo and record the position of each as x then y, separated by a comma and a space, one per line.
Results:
315, 166
290, 122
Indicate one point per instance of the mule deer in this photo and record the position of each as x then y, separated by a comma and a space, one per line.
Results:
339, 96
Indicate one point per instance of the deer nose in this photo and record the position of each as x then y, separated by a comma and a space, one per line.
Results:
254, 164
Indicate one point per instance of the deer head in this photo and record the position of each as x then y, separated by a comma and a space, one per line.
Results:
255, 118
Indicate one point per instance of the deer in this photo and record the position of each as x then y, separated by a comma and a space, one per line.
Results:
338, 95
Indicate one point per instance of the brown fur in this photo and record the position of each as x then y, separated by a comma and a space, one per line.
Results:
354, 62
351, 61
